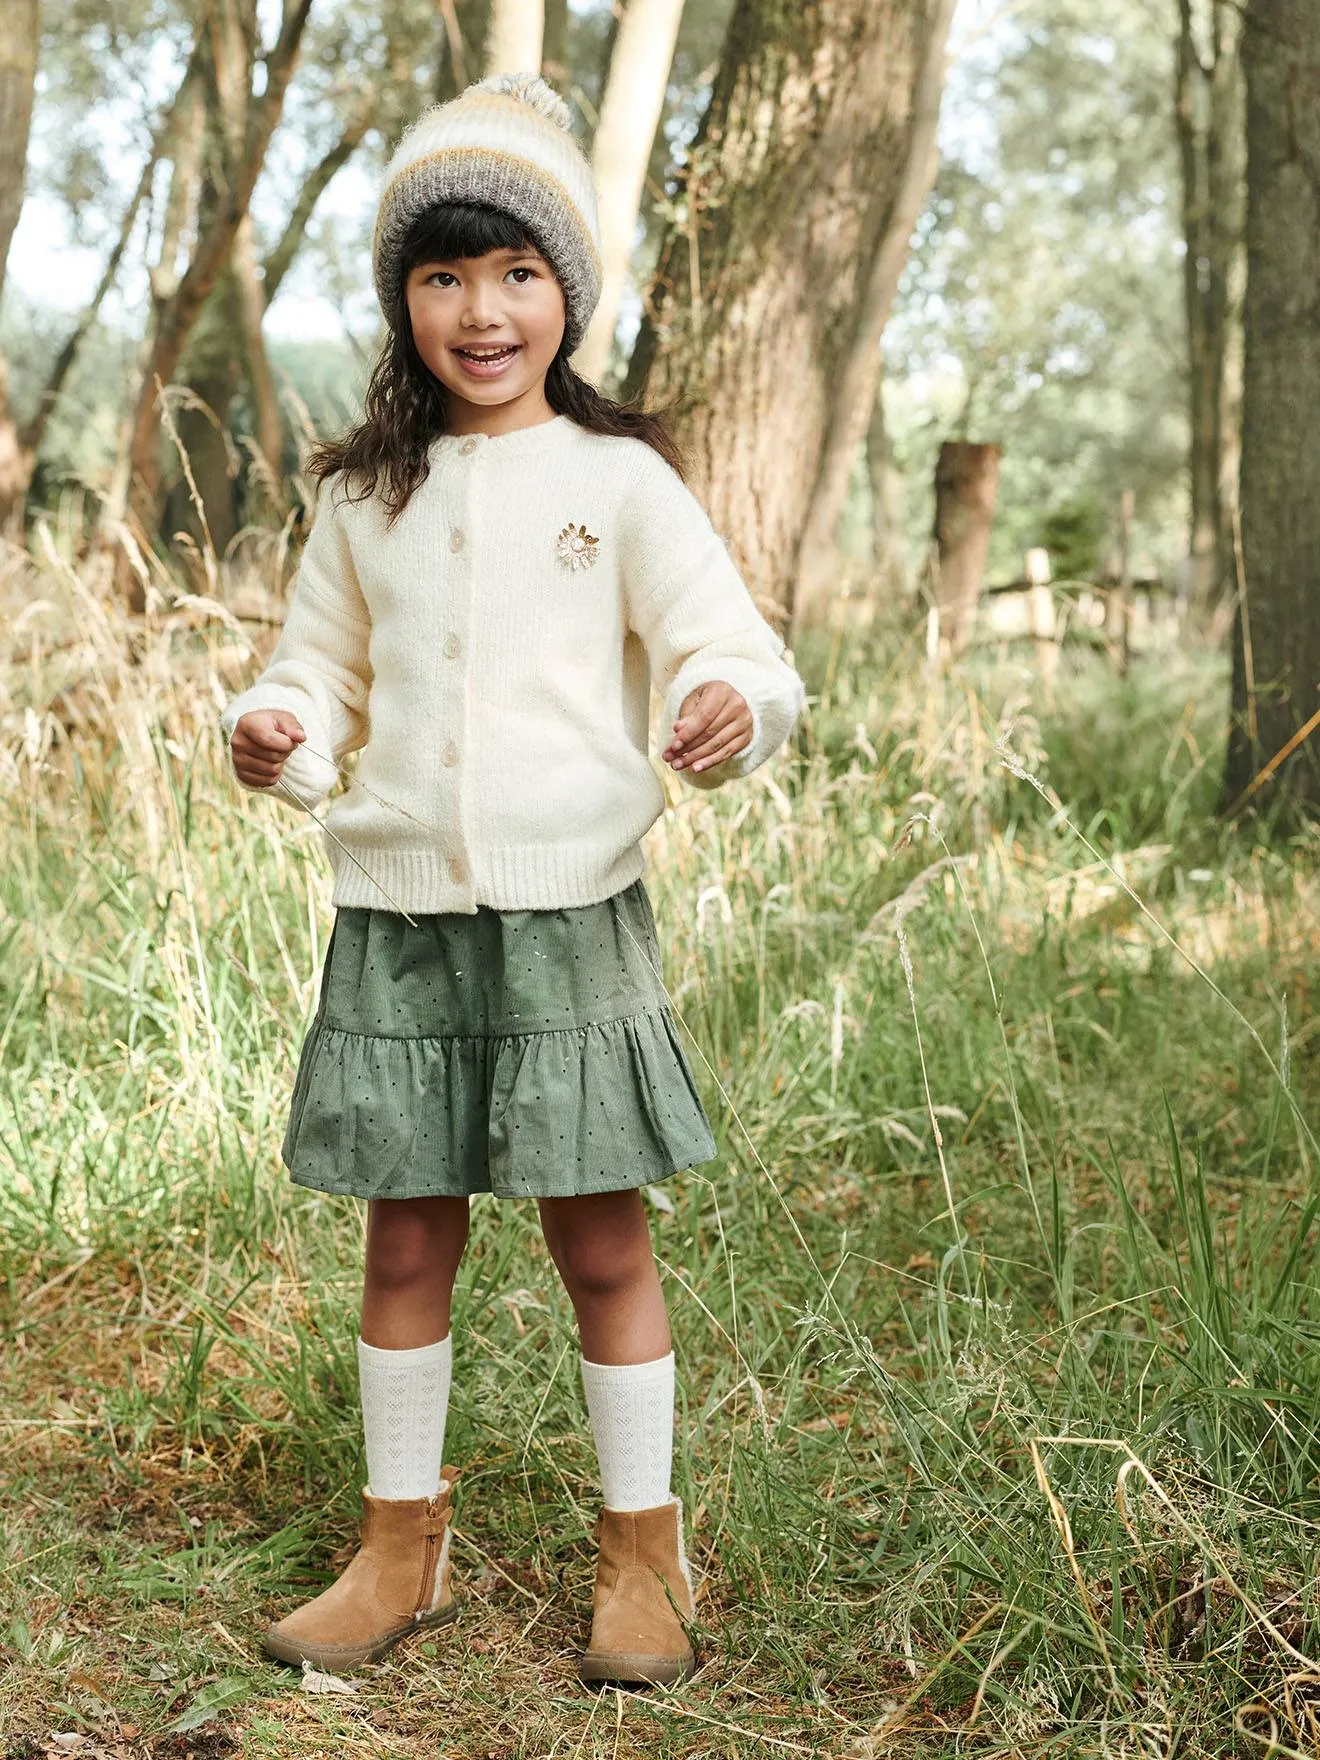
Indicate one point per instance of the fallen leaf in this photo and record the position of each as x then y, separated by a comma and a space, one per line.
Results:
313, 1681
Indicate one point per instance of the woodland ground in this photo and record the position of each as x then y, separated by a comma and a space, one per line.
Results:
995, 1316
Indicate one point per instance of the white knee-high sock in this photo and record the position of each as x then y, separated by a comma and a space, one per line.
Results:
631, 1407
405, 1399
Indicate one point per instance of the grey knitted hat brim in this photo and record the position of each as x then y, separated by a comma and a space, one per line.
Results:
496, 179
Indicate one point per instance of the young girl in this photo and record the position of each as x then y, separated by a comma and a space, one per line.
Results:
499, 560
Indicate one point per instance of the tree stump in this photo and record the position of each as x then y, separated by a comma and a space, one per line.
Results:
966, 483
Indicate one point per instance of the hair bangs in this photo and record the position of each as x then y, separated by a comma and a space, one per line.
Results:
452, 231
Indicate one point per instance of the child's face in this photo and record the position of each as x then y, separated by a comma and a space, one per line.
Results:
508, 301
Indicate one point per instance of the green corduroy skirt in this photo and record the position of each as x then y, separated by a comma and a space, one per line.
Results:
531, 1053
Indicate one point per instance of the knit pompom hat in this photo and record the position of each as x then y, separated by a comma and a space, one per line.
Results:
505, 142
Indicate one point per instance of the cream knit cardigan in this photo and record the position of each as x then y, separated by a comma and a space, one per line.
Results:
498, 693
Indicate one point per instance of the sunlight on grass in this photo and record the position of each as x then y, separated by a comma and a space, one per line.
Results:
995, 1313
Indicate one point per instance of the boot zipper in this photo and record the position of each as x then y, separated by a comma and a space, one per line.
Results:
427, 1595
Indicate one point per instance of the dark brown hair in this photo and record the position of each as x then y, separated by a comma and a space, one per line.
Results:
404, 402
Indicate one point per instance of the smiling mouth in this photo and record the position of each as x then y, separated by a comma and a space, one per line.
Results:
501, 353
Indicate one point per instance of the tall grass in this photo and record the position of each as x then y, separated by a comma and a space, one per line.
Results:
995, 1314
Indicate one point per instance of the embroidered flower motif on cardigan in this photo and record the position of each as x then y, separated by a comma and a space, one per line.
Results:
576, 546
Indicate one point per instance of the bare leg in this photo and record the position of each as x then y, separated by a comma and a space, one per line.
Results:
601, 1246
414, 1248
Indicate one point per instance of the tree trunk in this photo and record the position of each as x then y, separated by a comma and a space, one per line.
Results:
554, 45
242, 122
183, 149
788, 190
629, 116
20, 36
268, 428
1228, 196
1277, 645
172, 122
211, 370
888, 504
856, 393
1209, 126
513, 42
214, 369
966, 481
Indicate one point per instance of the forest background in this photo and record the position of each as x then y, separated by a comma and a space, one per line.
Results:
997, 1311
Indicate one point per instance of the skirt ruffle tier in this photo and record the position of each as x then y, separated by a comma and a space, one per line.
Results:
528, 1053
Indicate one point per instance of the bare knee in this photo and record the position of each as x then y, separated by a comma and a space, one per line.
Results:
601, 1253
412, 1240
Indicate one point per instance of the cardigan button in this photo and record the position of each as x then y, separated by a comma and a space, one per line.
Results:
457, 872
457, 540
451, 754
469, 445
453, 647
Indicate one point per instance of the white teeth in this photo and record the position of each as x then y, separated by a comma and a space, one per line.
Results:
486, 354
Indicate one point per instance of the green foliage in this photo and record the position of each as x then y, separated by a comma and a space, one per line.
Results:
80, 439
995, 1314
1074, 533
1041, 304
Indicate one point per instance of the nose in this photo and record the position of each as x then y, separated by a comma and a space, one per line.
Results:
481, 308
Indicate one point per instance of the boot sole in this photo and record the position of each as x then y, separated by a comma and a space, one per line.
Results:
333, 1658
652, 1671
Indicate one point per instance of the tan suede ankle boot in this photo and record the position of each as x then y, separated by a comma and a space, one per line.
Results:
642, 1597
397, 1582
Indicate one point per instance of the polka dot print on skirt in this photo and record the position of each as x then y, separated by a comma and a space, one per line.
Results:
525, 1053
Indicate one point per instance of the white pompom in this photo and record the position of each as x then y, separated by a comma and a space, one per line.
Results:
529, 88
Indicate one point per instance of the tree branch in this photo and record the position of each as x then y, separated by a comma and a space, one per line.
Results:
280, 258
32, 431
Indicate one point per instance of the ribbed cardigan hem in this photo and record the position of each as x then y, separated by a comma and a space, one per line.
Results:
515, 878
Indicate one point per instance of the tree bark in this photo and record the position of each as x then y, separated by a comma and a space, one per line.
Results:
20, 36
629, 116
214, 369
267, 426
513, 42
242, 124
167, 128
788, 190
1209, 127
857, 392
1277, 645
183, 148
966, 482
888, 503
554, 45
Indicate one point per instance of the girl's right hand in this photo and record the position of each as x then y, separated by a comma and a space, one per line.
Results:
261, 741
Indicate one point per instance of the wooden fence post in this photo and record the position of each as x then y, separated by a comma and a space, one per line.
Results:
966, 482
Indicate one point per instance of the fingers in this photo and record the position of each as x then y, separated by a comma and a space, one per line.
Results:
258, 772
260, 745
281, 732
725, 737
715, 724
261, 735
717, 734
703, 713
698, 712
734, 744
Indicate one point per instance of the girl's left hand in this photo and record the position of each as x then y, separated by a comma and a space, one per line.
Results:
714, 724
